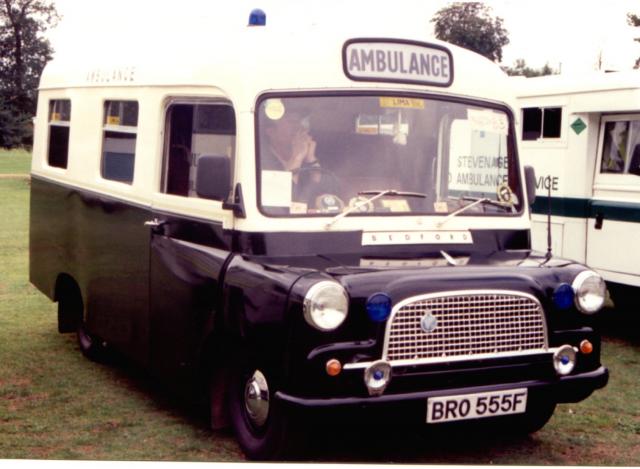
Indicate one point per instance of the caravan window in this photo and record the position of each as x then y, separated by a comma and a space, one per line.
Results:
120, 125
541, 123
59, 119
194, 130
621, 147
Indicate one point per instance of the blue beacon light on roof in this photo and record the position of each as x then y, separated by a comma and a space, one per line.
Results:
257, 18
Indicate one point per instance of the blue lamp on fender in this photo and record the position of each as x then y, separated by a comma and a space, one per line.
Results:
563, 296
378, 307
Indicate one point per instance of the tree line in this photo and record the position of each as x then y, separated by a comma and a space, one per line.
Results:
24, 51
472, 26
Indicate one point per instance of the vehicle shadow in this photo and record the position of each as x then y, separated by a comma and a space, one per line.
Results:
619, 323
337, 442
460, 444
185, 400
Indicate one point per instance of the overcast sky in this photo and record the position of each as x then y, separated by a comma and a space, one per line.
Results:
567, 33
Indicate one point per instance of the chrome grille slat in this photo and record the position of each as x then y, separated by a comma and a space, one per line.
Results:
469, 323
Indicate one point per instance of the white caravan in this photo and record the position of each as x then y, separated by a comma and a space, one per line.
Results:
582, 136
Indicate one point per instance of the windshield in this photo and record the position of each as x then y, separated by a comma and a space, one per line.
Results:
326, 155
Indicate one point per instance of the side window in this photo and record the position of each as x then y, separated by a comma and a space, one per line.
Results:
195, 130
120, 127
59, 120
541, 123
621, 147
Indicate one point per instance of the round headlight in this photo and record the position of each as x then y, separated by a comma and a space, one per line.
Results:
590, 291
326, 305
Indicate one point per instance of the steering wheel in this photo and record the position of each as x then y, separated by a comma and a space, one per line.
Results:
316, 193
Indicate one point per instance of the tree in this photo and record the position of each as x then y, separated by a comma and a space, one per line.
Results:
23, 55
470, 25
634, 20
520, 68
15, 127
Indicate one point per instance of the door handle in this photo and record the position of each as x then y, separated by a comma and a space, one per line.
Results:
155, 224
599, 220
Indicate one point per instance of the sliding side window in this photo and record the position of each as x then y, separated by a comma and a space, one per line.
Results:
195, 130
120, 127
541, 123
59, 124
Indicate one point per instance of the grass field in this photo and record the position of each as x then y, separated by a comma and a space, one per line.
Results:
15, 161
55, 404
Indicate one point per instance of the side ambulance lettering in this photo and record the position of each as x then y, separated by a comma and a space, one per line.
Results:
546, 182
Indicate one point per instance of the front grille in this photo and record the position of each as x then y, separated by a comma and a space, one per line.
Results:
467, 325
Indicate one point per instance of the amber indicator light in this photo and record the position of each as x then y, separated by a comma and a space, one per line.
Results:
334, 367
586, 347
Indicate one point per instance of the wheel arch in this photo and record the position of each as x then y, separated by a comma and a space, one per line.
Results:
68, 295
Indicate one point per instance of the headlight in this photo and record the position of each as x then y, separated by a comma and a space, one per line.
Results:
326, 305
590, 291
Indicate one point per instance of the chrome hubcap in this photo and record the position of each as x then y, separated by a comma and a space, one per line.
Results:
256, 399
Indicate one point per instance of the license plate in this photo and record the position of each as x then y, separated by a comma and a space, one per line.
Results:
475, 406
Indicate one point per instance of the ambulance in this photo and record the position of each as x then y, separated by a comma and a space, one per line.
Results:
314, 226
582, 136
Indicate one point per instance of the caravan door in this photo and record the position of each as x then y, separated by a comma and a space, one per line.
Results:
613, 231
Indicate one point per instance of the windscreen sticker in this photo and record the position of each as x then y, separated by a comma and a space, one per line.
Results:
441, 207
505, 194
362, 204
274, 109
396, 205
488, 121
297, 208
403, 103
381, 238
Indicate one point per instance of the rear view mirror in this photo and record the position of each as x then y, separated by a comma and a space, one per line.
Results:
213, 177
530, 181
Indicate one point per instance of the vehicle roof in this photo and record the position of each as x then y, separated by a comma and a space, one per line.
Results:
574, 84
251, 60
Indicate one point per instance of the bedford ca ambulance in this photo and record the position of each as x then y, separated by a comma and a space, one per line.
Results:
582, 136
309, 224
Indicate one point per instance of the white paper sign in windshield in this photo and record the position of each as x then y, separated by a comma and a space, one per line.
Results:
478, 152
405, 62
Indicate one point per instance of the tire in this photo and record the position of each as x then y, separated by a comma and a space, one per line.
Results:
264, 429
90, 345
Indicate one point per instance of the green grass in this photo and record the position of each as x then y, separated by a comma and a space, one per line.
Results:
55, 404
15, 161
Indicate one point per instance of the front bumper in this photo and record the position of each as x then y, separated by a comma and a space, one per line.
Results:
572, 388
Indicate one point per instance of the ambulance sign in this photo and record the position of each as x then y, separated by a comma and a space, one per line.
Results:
397, 61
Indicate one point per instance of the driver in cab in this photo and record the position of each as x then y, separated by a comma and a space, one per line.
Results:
288, 146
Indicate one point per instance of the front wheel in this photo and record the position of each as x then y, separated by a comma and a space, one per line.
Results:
263, 428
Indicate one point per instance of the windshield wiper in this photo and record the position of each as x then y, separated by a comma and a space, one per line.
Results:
476, 201
376, 194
